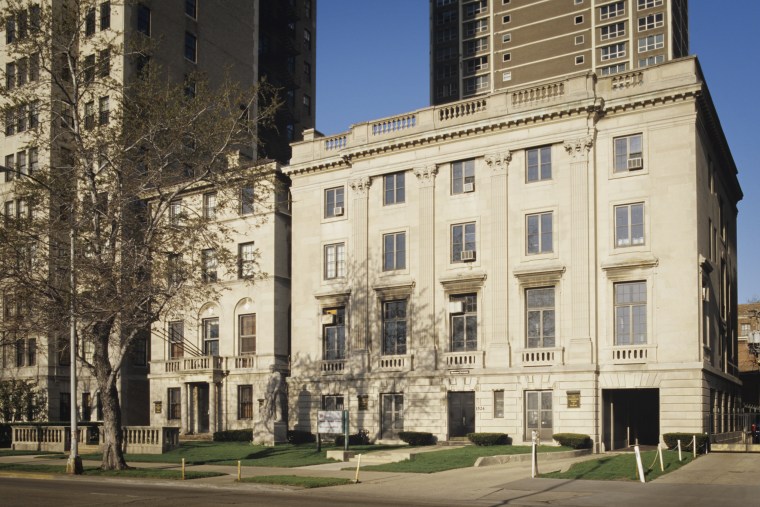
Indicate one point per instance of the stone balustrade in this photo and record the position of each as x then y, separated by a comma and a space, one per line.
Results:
335, 143
150, 439
632, 354
395, 363
465, 360
542, 357
538, 94
461, 110
395, 124
137, 439
333, 367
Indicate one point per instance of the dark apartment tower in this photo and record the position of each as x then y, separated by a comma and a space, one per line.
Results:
287, 60
482, 46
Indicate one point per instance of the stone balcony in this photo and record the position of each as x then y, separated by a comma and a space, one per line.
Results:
213, 364
333, 366
391, 363
463, 360
553, 356
633, 354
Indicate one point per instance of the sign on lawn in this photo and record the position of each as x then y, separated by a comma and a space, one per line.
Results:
330, 421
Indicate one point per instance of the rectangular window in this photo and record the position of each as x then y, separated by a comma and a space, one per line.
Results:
143, 19
651, 42
613, 30
628, 153
307, 71
498, 404
104, 111
246, 200
745, 329
335, 261
209, 206
539, 233
86, 407
332, 402
175, 212
211, 337
538, 414
651, 60
208, 260
474, 46
612, 10
176, 339
10, 30
105, 16
21, 117
23, 71
629, 225
64, 406
64, 351
34, 160
334, 205
614, 69
613, 51
34, 67
539, 319
21, 167
539, 161
31, 352
394, 189
651, 21
463, 242
20, 353
630, 313
191, 8
10, 122
246, 260
463, 325
10, 168
480, 63
174, 395
104, 63
334, 334
89, 22
463, 177
394, 327
648, 4
307, 39
140, 351
394, 251
245, 402
475, 8
191, 47
247, 333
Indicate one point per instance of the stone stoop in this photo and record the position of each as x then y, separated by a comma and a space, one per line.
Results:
454, 442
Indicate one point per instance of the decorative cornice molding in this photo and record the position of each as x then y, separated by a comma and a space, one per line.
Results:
579, 148
426, 175
360, 185
499, 162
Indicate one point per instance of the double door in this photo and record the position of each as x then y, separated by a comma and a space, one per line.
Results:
461, 413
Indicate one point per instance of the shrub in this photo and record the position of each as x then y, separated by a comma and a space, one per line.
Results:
485, 439
234, 436
671, 440
417, 437
357, 439
5, 435
301, 437
574, 440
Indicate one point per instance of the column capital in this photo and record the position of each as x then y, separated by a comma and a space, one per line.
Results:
426, 175
360, 185
499, 162
579, 148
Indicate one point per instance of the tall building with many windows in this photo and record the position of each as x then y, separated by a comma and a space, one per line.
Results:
483, 46
247, 40
552, 257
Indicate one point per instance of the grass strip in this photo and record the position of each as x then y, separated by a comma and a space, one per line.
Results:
228, 453
97, 472
462, 457
621, 467
299, 481
11, 452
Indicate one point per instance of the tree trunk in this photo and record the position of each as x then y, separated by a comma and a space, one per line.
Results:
113, 438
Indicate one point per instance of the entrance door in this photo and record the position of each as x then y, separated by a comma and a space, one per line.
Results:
203, 408
461, 413
393, 415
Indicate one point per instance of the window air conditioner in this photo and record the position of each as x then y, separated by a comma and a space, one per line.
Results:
468, 255
455, 307
469, 187
338, 211
635, 163
327, 319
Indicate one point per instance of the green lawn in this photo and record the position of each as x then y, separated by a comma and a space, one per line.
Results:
228, 453
461, 457
11, 452
621, 467
94, 471
302, 482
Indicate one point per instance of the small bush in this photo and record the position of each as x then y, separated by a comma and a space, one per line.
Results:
417, 437
486, 439
671, 440
357, 439
301, 437
5, 435
574, 440
234, 436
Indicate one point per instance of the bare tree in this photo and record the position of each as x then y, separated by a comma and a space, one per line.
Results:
110, 142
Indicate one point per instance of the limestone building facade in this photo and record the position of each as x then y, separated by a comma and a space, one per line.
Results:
558, 257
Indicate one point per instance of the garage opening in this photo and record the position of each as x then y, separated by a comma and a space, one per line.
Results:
631, 416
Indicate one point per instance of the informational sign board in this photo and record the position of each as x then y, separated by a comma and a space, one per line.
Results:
330, 422
573, 399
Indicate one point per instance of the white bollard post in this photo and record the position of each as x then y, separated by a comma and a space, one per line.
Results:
239, 474
694, 447
533, 457
679, 450
183, 469
639, 465
358, 466
659, 454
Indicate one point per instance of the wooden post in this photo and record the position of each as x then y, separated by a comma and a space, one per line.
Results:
358, 465
183, 469
639, 465
659, 454
239, 477
679, 450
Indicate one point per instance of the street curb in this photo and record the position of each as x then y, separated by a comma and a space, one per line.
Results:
516, 458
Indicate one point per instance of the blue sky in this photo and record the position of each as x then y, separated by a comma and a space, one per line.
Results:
372, 62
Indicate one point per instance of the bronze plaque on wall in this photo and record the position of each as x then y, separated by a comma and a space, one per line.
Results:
573, 399
363, 402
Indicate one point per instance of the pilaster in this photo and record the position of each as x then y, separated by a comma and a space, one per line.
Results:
424, 329
358, 272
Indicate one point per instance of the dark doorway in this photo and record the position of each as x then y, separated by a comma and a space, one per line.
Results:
461, 413
393, 415
631, 416
200, 417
